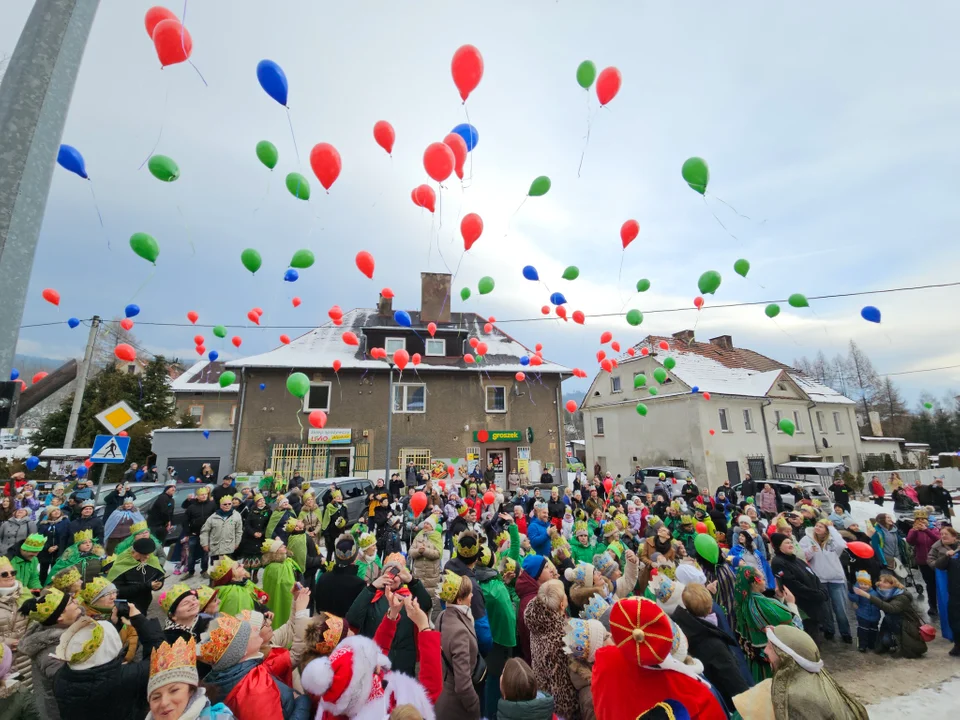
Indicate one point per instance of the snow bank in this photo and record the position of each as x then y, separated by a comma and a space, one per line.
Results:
943, 700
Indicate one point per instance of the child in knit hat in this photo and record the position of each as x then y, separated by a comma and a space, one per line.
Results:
868, 614
581, 642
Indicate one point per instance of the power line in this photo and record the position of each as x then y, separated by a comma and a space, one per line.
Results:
924, 370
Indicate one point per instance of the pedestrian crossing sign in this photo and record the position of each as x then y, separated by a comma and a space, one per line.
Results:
109, 449
118, 417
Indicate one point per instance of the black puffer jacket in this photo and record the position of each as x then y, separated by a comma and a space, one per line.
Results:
196, 514
256, 522
714, 648
91, 523
796, 575
336, 590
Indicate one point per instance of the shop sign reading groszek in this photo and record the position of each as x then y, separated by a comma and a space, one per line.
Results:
329, 436
495, 436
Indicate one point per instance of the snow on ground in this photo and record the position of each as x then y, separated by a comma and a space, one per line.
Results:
943, 700
864, 511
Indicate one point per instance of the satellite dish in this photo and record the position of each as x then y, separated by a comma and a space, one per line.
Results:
825, 443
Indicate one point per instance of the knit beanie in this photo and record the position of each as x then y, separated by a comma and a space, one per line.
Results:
583, 638
777, 539
533, 565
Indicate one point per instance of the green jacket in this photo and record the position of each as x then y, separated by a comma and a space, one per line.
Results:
500, 609
332, 513
28, 571
583, 553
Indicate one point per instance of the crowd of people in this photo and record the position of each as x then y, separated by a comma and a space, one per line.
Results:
455, 598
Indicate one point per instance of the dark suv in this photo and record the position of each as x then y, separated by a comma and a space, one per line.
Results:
354, 490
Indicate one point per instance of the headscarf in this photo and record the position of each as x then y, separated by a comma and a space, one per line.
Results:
755, 611
118, 516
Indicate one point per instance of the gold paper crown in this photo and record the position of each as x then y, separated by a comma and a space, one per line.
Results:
920, 513
90, 646
556, 540
138, 527
47, 605
202, 490
332, 635
291, 525
5, 565
580, 527
336, 495
167, 657
83, 536
622, 521
486, 557
225, 565
271, 546
168, 598
609, 529
468, 550
507, 564
686, 520
108, 561
367, 541
215, 643
94, 588
449, 586
34, 542
205, 594
66, 577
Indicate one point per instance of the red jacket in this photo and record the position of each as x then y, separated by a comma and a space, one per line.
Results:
526, 589
430, 674
612, 672
876, 488
521, 524
256, 697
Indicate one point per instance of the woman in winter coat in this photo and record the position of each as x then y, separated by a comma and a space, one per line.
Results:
425, 554
822, 546
582, 640
546, 620
6, 508
459, 650
254, 532
12, 624
521, 699
56, 528
921, 538
746, 552
900, 627
16, 529
767, 500
801, 580
944, 557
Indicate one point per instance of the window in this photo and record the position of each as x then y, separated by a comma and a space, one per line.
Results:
409, 398
724, 423
845, 459
776, 420
748, 420
233, 414
196, 412
318, 398
391, 345
796, 421
836, 422
599, 426
436, 348
614, 383
496, 398
819, 421
131, 369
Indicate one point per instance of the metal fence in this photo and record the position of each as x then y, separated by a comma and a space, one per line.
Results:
308, 461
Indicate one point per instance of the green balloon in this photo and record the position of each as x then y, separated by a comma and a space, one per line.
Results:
298, 384
486, 285
669, 363
586, 74
660, 375
772, 310
652, 390
571, 273
465, 293
540, 186
251, 259
741, 267
220, 331
798, 301
641, 409
145, 246
928, 405
634, 317
639, 380
643, 285
709, 282
302, 259
267, 153
227, 378
696, 174
707, 548
163, 168
787, 426
298, 186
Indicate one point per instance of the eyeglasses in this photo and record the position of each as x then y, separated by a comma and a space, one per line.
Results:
8, 574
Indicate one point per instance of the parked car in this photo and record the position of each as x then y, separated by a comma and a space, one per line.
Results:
144, 493
146, 499
671, 472
787, 490
354, 490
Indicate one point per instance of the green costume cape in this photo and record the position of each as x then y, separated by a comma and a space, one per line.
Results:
72, 556
500, 611
329, 512
126, 561
28, 571
311, 518
434, 537
128, 541
297, 545
274, 520
363, 566
235, 598
278, 581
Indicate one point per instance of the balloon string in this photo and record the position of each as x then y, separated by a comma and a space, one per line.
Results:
718, 220
183, 47
144, 284
99, 216
745, 217
467, 113
792, 339
452, 281
515, 214
585, 144
163, 121
186, 230
300, 423
263, 199
295, 148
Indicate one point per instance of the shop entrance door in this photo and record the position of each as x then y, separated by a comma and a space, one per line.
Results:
498, 459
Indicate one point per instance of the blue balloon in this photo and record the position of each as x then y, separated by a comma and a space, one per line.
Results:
870, 314
14, 374
558, 299
469, 134
524, 360
81, 471
191, 479
206, 433
69, 158
272, 80
131, 310
530, 273
695, 389
291, 275
32, 462
402, 317
73, 322
213, 355
139, 475
263, 386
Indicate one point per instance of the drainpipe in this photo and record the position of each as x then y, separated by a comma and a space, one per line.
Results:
239, 423
561, 435
813, 430
766, 432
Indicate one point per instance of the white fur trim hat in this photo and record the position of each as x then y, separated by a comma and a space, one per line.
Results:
88, 644
796, 644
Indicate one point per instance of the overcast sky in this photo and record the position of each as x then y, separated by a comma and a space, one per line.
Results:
832, 126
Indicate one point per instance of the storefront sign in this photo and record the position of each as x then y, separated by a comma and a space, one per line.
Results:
329, 436
493, 436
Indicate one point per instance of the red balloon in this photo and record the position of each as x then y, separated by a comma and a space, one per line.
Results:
471, 227
458, 146
615, 346
601, 355
631, 352
538, 347
712, 431
481, 348
41, 375
432, 328
51, 296
253, 317
606, 337
644, 351
337, 365
450, 471
400, 358
413, 196
571, 406
122, 433
706, 396
386, 293
491, 319
608, 85
608, 484
350, 338
415, 359
155, 15
200, 350
482, 436
536, 360
607, 365
126, 324
488, 328
285, 339
467, 69
236, 341
438, 161
860, 549
628, 232
468, 359
192, 317
613, 361
318, 418
125, 352
172, 42
384, 135
545, 309
258, 311
88, 463
418, 502
664, 345
489, 498
561, 312
198, 340
578, 317
474, 342
365, 265
296, 302
335, 312
520, 377
338, 322
698, 302
325, 161
425, 197
701, 528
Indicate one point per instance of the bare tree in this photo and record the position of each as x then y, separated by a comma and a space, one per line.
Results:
893, 410
863, 377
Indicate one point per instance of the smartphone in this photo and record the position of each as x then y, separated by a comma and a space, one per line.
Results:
393, 571
123, 608
297, 586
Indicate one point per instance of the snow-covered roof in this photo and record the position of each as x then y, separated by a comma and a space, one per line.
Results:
916, 445
51, 453
318, 348
809, 464
881, 439
203, 376
21, 452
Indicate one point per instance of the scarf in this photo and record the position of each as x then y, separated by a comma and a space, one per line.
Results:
402, 591
224, 513
662, 547
754, 612
171, 625
890, 593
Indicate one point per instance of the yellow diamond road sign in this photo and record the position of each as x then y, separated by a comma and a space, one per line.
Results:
118, 417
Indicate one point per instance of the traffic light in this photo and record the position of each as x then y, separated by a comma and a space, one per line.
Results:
9, 399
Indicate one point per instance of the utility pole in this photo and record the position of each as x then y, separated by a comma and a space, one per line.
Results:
81, 384
34, 100
386, 471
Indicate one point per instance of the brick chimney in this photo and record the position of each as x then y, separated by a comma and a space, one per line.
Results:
435, 297
684, 336
723, 341
385, 307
